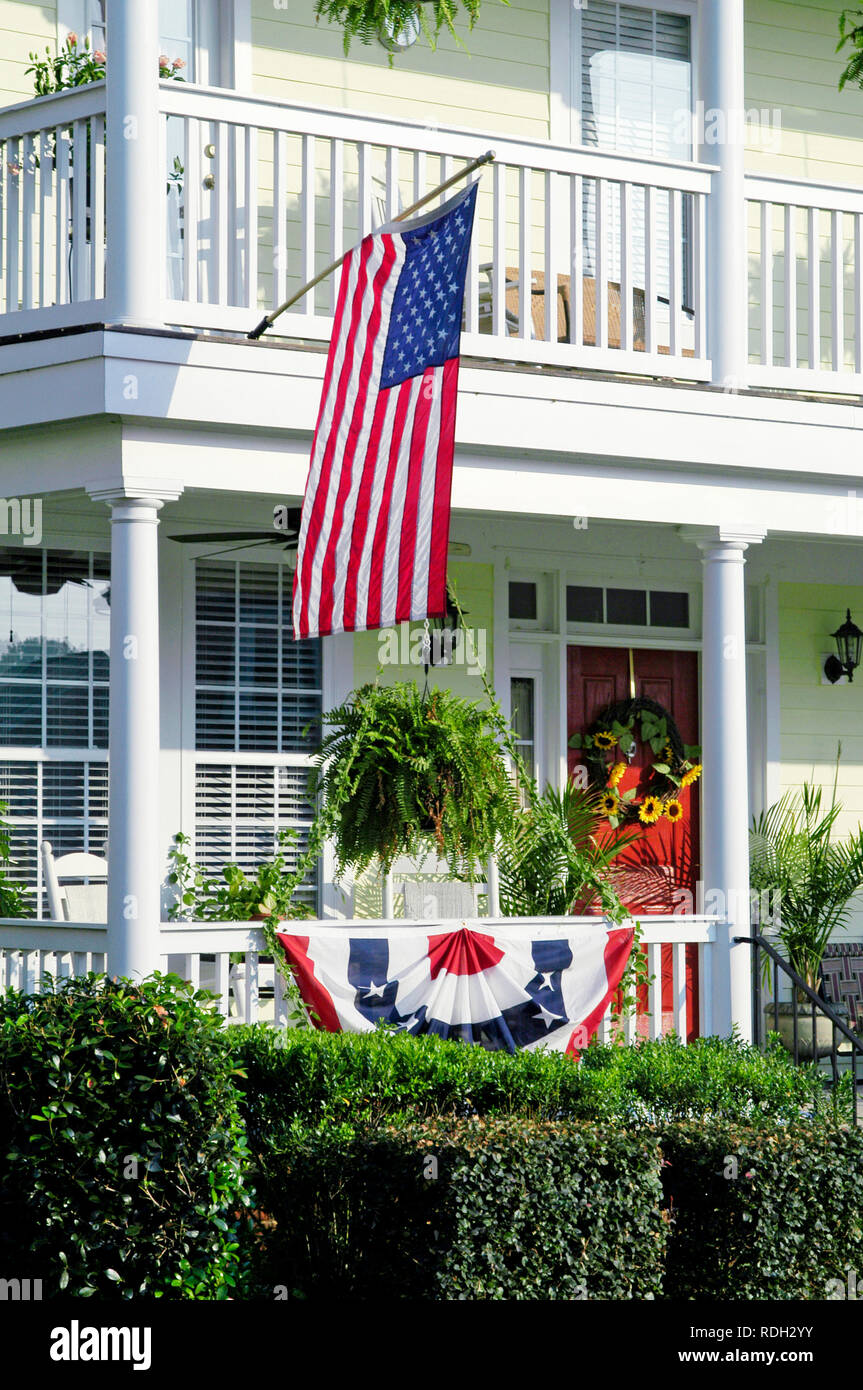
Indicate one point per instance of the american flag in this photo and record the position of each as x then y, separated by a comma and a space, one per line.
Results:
375, 522
542, 985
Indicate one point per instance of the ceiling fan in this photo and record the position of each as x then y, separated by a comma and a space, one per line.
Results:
284, 533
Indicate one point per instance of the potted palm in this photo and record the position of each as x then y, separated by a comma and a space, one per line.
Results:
811, 877
555, 860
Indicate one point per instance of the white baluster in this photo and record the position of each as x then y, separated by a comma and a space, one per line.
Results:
550, 262
337, 212
601, 267
221, 230
28, 206
858, 293
576, 259
650, 269
626, 310
675, 273
679, 975
364, 155
97, 206
838, 287
80, 288
790, 286
498, 265
307, 219
525, 269
13, 230
250, 200
654, 989
814, 289
192, 194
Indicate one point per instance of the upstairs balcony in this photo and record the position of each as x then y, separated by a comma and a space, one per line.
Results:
581, 259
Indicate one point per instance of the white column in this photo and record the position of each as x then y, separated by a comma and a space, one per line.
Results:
725, 781
721, 89
135, 192
134, 854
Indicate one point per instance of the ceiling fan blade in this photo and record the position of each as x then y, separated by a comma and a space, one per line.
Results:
208, 537
244, 545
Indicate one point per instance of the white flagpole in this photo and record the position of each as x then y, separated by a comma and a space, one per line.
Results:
270, 318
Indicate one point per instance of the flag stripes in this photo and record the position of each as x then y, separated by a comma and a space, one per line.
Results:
375, 521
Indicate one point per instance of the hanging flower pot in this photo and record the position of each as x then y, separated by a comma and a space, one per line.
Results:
397, 766
366, 20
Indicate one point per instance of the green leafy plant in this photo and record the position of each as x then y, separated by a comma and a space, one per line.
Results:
767, 1212
851, 32
553, 862
233, 896
367, 19
810, 876
375, 1078
14, 896
76, 64
465, 1208
399, 769
122, 1149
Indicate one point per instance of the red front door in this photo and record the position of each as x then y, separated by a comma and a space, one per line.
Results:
658, 873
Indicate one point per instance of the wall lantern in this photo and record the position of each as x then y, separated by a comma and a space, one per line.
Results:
848, 639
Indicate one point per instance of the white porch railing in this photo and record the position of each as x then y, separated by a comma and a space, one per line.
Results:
252, 991
579, 257
806, 285
52, 210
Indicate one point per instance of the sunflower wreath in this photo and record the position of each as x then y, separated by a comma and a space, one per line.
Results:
613, 733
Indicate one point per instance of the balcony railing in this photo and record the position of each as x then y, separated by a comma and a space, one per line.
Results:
580, 258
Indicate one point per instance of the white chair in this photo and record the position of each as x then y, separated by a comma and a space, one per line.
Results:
77, 901
447, 901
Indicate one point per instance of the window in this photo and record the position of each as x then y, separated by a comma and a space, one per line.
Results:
636, 80
636, 97
522, 601
660, 608
627, 606
523, 705
256, 691
668, 609
54, 653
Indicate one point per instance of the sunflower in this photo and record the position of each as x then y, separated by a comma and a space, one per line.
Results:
650, 810
673, 811
604, 739
668, 754
691, 776
609, 803
616, 773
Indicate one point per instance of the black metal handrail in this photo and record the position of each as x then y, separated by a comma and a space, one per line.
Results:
815, 1004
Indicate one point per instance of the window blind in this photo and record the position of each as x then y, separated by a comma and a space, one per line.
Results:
636, 94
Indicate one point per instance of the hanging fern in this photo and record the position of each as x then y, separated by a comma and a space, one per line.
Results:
366, 20
402, 769
851, 32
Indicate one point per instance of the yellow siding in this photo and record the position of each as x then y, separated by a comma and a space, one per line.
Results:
791, 64
500, 80
474, 586
24, 27
816, 717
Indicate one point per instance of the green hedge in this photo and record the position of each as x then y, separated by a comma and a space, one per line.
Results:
762, 1214
367, 1078
504, 1208
122, 1150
